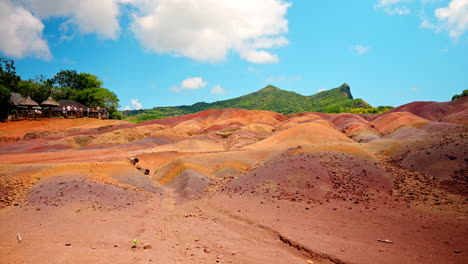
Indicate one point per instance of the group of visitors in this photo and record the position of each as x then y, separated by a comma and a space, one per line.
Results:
71, 110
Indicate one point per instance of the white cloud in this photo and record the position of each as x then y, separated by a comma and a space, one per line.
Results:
137, 104
207, 30
321, 90
89, 16
361, 49
21, 33
193, 83
217, 89
126, 108
393, 7
454, 17
258, 56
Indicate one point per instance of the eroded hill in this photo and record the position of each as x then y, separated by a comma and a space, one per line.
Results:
239, 186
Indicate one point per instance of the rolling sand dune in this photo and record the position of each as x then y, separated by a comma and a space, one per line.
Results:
238, 186
303, 134
453, 111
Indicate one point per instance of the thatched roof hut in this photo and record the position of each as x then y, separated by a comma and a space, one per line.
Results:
71, 103
50, 102
16, 98
30, 103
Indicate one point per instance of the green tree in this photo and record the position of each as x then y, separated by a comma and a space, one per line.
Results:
464, 93
39, 89
102, 97
75, 81
8, 77
5, 106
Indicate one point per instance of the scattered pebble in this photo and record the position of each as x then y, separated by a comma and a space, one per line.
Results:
385, 241
147, 246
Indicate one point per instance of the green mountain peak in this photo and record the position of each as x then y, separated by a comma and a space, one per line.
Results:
269, 88
270, 98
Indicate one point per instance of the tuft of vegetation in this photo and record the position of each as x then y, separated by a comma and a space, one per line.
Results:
464, 93
270, 98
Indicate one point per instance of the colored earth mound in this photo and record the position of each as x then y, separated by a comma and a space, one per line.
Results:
238, 186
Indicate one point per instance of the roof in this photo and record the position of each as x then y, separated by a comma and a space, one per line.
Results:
16, 98
28, 102
71, 103
50, 102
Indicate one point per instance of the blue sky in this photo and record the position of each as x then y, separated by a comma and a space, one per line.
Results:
176, 52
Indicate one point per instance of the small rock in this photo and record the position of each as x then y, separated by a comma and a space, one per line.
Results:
220, 257
456, 251
68, 244
116, 245
309, 261
207, 250
19, 238
147, 246
385, 241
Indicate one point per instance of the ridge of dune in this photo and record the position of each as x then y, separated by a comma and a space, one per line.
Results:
436, 111
317, 131
238, 186
389, 123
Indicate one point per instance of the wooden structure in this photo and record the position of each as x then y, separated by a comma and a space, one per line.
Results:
48, 108
29, 109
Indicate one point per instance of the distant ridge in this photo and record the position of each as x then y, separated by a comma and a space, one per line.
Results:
270, 98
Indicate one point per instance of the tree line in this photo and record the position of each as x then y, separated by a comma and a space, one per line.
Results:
82, 87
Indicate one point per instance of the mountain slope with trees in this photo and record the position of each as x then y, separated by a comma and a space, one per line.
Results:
270, 98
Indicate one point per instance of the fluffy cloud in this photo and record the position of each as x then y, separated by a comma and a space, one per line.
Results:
361, 49
137, 104
21, 25
127, 108
217, 89
454, 17
89, 16
207, 30
21, 33
392, 7
193, 83
190, 84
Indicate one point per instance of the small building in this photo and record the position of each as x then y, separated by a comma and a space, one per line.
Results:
16, 98
49, 106
28, 108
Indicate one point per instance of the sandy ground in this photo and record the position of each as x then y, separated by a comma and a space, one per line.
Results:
238, 186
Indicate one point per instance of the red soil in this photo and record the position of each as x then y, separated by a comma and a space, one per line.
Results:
238, 186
